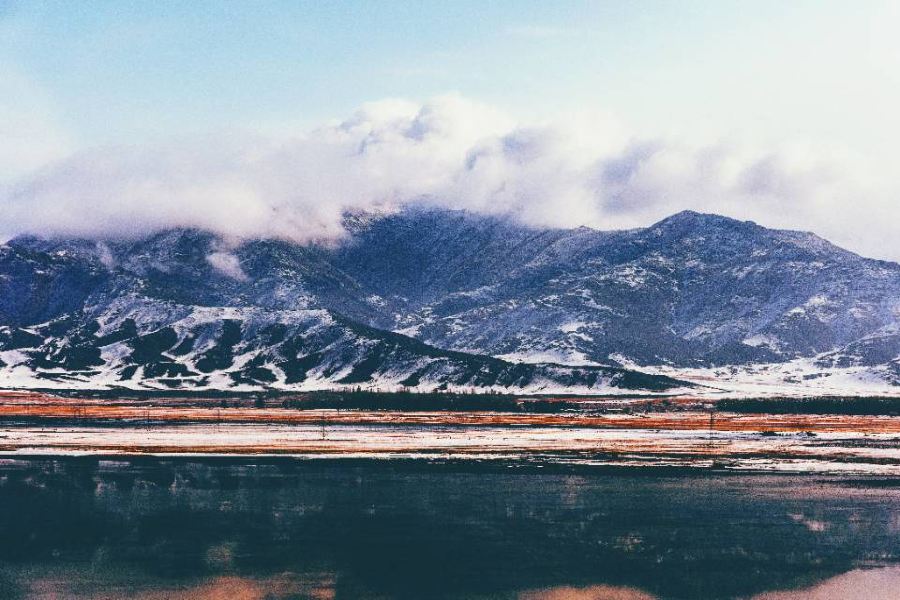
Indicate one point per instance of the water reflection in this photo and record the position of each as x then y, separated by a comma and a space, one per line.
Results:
77, 585
278, 529
594, 592
871, 584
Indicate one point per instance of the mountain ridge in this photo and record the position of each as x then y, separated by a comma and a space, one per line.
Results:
691, 291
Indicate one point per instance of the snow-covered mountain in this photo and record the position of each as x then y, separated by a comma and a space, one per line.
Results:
180, 310
691, 290
429, 298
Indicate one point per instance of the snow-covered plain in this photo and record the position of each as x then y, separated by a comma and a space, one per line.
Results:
839, 453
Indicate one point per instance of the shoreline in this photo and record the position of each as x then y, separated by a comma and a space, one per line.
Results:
659, 437
455, 465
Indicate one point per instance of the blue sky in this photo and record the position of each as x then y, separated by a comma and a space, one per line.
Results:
683, 80
134, 70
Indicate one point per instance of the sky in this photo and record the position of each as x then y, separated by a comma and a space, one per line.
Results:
273, 118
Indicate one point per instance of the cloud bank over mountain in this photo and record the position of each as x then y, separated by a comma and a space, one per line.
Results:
451, 152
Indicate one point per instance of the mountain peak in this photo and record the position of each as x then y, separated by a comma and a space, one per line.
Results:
692, 218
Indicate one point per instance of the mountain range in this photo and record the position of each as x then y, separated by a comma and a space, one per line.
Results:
428, 298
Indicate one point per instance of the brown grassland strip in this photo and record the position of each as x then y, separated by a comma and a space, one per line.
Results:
687, 420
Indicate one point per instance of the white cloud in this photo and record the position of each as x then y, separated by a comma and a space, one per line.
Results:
105, 255
579, 170
228, 264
